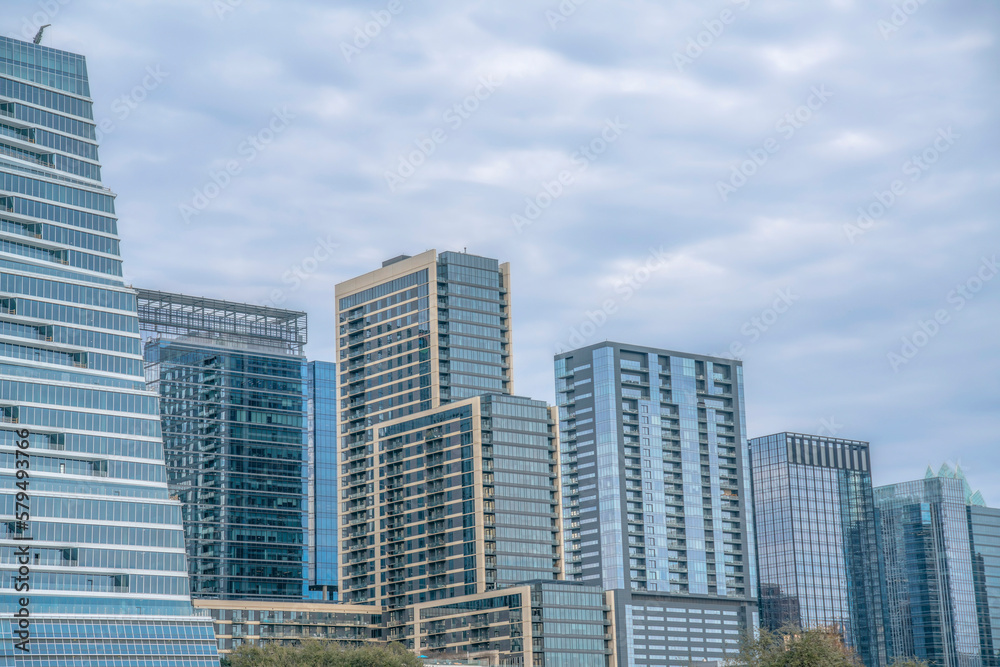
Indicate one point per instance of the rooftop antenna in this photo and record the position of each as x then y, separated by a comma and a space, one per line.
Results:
38, 35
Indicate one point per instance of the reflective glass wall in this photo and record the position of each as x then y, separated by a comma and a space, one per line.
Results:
817, 538
322, 387
232, 385
89, 535
931, 603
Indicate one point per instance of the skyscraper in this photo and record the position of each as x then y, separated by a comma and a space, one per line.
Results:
91, 547
931, 602
418, 333
449, 485
656, 497
322, 407
984, 537
984, 531
231, 380
817, 538
415, 335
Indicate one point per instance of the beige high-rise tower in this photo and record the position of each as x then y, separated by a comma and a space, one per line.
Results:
421, 332
448, 483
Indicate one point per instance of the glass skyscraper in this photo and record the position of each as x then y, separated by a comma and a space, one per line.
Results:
231, 379
656, 497
322, 408
984, 536
931, 598
817, 541
92, 556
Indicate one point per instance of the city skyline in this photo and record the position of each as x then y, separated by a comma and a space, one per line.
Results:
394, 466
316, 197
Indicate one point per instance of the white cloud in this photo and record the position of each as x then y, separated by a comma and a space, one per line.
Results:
324, 177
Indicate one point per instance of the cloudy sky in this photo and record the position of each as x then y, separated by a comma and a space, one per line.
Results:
811, 187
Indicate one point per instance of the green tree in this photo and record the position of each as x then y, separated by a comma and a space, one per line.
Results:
794, 647
908, 662
315, 653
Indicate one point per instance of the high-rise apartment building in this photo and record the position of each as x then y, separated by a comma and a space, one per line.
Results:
231, 380
92, 559
930, 605
323, 534
418, 333
465, 498
817, 543
449, 485
656, 497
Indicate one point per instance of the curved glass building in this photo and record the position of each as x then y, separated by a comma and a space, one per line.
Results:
92, 559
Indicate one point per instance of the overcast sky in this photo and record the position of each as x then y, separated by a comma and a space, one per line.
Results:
685, 175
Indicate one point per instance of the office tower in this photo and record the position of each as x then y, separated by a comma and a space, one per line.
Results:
322, 425
92, 549
984, 531
930, 605
656, 497
817, 543
984, 537
231, 382
418, 333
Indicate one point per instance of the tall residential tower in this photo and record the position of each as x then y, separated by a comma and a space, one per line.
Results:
91, 543
449, 485
656, 497
418, 333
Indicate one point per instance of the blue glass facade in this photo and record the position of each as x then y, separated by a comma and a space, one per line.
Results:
984, 531
232, 384
931, 603
473, 326
89, 534
322, 387
817, 539
656, 488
